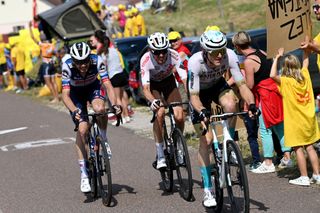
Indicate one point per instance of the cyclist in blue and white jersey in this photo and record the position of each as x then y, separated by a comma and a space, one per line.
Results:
206, 83
79, 86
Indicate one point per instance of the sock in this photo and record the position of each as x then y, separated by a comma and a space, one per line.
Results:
103, 134
231, 131
159, 147
206, 176
83, 169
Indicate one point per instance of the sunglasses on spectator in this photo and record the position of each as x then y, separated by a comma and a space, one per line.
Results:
81, 62
315, 7
158, 52
173, 41
215, 53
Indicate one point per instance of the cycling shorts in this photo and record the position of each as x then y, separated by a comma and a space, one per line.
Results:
47, 69
81, 96
164, 87
119, 80
3, 68
208, 95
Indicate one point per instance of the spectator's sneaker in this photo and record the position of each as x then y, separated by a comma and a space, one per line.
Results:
161, 163
85, 185
18, 91
285, 163
209, 200
130, 111
127, 119
315, 179
254, 165
301, 181
263, 168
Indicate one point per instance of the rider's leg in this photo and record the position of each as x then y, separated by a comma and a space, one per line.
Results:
175, 96
228, 101
81, 148
98, 106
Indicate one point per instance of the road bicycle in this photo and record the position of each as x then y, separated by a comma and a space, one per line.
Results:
99, 156
228, 167
176, 155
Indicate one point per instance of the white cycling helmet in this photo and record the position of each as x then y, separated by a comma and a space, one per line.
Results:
80, 51
158, 41
213, 40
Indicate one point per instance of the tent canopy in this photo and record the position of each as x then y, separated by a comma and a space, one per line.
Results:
71, 20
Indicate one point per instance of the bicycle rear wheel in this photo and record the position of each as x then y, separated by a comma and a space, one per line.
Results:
237, 181
183, 166
105, 180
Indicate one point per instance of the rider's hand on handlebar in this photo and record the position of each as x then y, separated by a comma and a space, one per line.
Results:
155, 104
253, 111
205, 119
76, 114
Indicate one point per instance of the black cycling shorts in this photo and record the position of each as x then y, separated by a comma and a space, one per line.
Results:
164, 87
3, 68
207, 96
119, 80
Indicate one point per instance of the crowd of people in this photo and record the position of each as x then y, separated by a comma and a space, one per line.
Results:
121, 22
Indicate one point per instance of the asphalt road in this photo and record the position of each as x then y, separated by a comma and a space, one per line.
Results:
39, 170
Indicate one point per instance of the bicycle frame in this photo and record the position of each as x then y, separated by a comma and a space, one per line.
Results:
226, 137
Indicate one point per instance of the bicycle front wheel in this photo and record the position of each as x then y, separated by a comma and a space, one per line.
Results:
183, 166
105, 181
236, 178
93, 177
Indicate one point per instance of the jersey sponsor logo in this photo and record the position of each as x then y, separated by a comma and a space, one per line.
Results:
214, 74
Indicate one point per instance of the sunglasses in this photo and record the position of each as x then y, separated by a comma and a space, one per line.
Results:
159, 52
81, 62
173, 41
315, 7
215, 53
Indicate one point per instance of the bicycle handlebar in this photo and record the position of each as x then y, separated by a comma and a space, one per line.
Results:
166, 106
94, 115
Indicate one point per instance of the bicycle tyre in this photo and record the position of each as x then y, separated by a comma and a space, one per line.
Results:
237, 176
215, 174
93, 177
167, 173
105, 176
183, 170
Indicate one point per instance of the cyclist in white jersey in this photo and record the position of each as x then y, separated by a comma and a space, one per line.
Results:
159, 85
206, 83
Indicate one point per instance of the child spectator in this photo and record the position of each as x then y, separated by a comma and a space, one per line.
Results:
300, 122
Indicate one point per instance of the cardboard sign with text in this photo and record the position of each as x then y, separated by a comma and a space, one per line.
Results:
288, 22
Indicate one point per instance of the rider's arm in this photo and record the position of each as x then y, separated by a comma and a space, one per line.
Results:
194, 85
66, 88
145, 76
244, 90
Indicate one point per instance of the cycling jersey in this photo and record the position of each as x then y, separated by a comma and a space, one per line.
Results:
71, 78
201, 76
151, 70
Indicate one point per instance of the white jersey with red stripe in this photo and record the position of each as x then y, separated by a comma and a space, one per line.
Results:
152, 70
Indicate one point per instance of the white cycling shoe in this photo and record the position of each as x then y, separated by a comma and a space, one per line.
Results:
209, 200
85, 185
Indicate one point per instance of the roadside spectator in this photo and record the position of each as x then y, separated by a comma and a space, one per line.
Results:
9, 75
299, 112
128, 29
257, 69
3, 62
18, 60
184, 53
117, 75
47, 70
139, 23
121, 17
